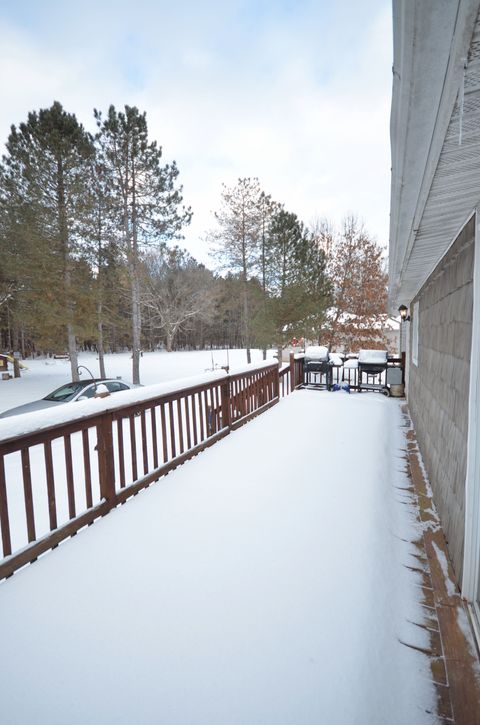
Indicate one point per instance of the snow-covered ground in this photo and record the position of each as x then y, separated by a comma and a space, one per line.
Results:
44, 375
264, 582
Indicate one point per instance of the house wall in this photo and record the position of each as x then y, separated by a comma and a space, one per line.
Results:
438, 387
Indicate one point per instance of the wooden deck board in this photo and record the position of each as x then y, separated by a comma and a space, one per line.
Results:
454, 669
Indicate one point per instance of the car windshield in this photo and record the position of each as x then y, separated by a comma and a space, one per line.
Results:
65, 393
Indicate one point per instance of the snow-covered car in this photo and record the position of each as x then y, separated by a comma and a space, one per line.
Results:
69, 393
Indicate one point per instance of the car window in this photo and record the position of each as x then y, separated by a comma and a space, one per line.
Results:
66, 392
114, 386
89, 391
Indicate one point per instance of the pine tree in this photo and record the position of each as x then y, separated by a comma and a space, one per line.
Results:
148, 201
267, 209
296, 278
105, 255
44, 178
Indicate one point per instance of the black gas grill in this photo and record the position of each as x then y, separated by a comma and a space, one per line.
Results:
371, 365
317, 369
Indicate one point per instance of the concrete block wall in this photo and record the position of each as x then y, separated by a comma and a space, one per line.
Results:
438, 387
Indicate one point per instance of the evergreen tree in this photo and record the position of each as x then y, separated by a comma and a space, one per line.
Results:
296, 280
44, 179
106, 258
267, 209
148, 202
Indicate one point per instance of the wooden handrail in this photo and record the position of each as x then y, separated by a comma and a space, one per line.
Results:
105, 458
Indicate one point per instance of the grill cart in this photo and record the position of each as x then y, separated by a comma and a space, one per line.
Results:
372, 365
317, 371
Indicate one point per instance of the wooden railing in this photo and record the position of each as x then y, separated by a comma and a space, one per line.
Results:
55, 481
296, 370
284, 379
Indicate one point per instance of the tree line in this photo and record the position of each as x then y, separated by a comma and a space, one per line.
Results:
89, 260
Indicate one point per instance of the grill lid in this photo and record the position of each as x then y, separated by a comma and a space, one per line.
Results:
317, 352
372, 357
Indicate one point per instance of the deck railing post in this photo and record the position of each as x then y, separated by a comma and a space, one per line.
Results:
276, 382
106, 464
292, 372
226, 404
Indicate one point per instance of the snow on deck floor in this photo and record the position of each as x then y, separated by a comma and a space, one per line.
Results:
261, 583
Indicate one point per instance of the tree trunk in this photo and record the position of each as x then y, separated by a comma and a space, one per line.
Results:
67, 280
100, 346
136, 329
136, 314
264, 284
246, 322
279, 355
72, 350
246, 311
16, 338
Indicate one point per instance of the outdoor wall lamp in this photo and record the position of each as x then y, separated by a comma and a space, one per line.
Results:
404, 313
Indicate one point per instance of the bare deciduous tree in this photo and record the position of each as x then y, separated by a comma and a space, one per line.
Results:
178, 291
236, 242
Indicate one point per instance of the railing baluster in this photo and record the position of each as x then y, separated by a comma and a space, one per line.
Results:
200, 412
69, 471
226, 404
180, 424
27, 493
4, 519
187, 422
164, 432
121, 451
238, 404
194, 419
86, 468
144, 441
208, 427
133, 446
153, 421
52, 506
172, 430
215, 409
245, 396
233, 400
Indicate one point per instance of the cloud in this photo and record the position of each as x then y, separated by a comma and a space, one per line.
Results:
297, 94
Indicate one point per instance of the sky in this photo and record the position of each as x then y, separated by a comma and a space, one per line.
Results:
294, 92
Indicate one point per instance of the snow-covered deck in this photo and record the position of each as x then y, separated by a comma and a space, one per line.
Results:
265, 581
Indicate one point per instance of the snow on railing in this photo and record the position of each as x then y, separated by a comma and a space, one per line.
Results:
56, 478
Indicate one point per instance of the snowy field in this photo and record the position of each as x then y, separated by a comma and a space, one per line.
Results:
44, 375
264, 582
